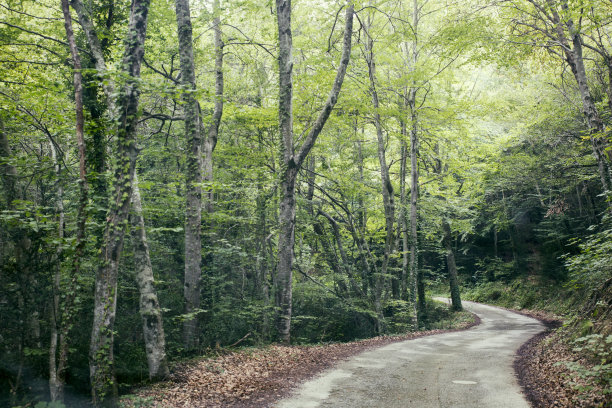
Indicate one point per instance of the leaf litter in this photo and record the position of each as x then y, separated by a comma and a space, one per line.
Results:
255, 377
546, 379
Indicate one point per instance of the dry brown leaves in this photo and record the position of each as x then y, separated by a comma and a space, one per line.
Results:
255, 377
548, 384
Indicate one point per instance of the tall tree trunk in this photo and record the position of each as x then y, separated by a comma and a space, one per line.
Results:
416, 286
416, 295
21, 244
291, 162
403, 219
495, 241
596, 125
123, 107
152, 324
193, 178
262, 287
287, 203
64, 321
609, 87
387, 188
215, 121
361, 211
56, 383
452, 267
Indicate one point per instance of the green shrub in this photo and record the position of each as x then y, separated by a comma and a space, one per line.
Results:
597, 348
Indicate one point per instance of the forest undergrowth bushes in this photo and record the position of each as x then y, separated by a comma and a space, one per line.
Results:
578, 353
570, 366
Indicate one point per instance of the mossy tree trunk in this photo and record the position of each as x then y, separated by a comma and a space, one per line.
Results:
193, 177
122, 100
152, 324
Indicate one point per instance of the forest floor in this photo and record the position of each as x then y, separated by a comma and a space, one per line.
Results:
256, 377
545, 378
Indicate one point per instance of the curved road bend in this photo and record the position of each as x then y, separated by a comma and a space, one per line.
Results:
467, 369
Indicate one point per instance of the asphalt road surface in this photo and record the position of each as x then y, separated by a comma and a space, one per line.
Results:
466, 369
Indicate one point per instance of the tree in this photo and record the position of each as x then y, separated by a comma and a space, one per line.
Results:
387, 187
63, 322
124, 113
292, 161
152, 324
193, 176
551, 24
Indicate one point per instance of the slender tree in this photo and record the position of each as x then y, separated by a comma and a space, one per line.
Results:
292, 161
212, 134
152, 324
410, 109
58, 350
387, 187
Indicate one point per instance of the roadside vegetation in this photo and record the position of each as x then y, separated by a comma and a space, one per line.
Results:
571, 364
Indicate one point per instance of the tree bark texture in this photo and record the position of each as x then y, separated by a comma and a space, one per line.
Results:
123, 107
291, 162
152, 324
193, 178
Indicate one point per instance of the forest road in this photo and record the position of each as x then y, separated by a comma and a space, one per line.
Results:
467, 369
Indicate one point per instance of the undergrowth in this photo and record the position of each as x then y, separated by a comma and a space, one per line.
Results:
585, 330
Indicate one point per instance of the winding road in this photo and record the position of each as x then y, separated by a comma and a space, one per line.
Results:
467, 369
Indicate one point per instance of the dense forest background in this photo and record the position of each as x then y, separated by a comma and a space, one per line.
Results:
183, 177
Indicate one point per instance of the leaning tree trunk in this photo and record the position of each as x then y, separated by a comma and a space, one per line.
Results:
193, 178
292, 162
596, 125
152, 323
575, 59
